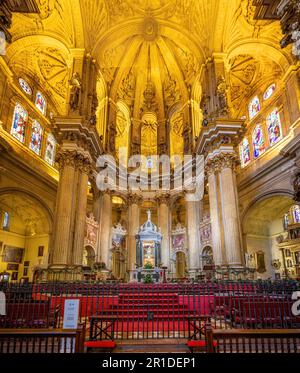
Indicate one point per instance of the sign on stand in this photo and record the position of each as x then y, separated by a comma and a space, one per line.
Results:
71, 312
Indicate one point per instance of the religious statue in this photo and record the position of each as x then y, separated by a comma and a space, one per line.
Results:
297, 188
75, 83
222, 96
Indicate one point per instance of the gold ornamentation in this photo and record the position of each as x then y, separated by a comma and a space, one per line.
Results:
150, 28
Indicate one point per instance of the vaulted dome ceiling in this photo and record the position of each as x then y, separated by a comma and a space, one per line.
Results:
148, 52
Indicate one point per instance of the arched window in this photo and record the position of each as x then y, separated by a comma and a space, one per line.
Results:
50, 150
25, 87
245, 152
274, 127
5, 222
258, 141
40, 103
254, 107
269, 91
19, 123
295, 210
36, 137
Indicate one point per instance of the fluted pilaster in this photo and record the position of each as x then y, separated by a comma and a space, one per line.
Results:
134, 201
164, 225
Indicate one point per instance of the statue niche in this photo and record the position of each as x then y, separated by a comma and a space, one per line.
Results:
75, 84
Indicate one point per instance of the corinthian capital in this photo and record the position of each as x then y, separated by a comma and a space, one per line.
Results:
83, 163
66, 158
220, 162
230, 160
134, 199
163, 199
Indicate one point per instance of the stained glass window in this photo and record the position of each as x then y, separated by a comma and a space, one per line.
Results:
274, 127
269, 92
36, 137
25, 86
19, 123
258, 141
40, 103
5, 223
245, 152
50, 149
296, 214
254, 107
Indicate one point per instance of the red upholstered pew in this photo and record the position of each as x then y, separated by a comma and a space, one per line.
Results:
29, 315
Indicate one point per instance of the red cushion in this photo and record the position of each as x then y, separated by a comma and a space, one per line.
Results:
200, 343
100, 344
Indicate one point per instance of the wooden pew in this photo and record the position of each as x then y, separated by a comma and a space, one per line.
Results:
42, 340
252, 340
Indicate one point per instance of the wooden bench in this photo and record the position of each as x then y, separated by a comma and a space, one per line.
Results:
30, 315
252, 340
42, 340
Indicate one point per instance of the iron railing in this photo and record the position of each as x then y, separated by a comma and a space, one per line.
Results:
152, 311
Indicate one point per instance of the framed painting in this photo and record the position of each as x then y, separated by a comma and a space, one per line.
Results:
13, 254
260, 262
41, 251
12, 267
14, 276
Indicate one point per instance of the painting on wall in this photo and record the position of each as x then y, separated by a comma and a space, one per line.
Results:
41, 251
260, 262
12, 267
14, 276
13, 254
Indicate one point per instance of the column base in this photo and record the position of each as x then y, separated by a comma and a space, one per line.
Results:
68, 273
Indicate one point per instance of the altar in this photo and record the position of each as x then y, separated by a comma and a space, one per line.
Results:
148, 252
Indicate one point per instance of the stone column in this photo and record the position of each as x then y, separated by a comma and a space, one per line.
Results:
106, 223
215, 216
230, 213
193, 224
97, 210
164, 225
80, 217
62, 232
133, 228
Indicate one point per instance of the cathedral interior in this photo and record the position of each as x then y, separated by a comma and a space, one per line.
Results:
212, 78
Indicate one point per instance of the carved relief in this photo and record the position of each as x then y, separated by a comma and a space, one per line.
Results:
92, 227
126, 91
171, 91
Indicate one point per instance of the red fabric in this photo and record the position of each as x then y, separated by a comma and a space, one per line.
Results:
201, 343
100, 344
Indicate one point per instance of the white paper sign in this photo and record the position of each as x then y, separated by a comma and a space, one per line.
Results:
71, 314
